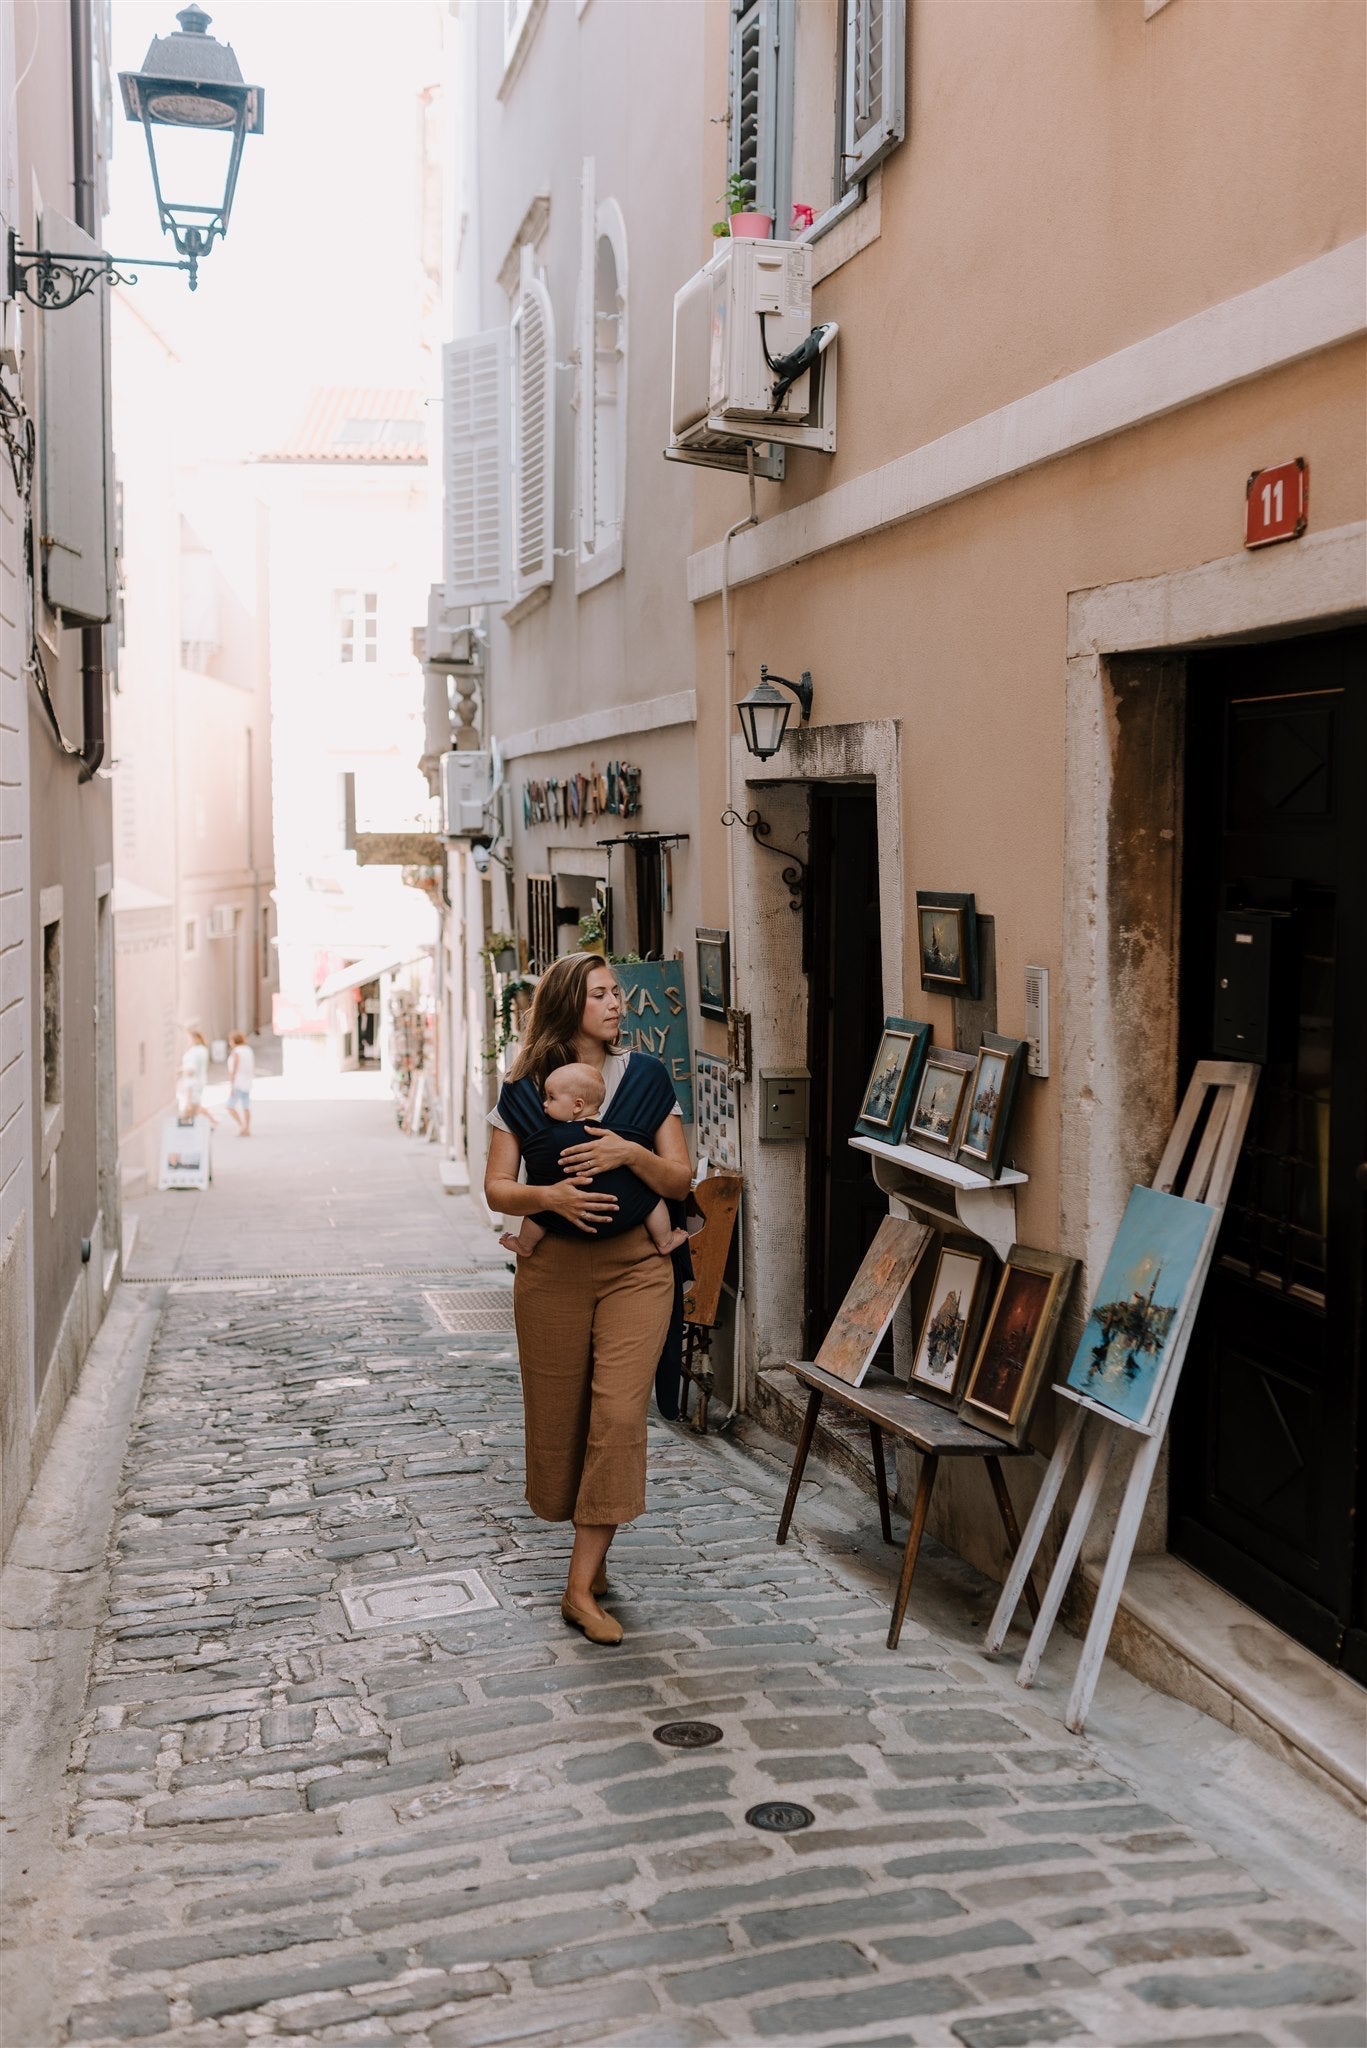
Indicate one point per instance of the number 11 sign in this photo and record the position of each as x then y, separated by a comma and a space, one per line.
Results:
1275, 503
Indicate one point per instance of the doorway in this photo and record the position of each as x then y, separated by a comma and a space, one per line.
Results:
844, 1023
1267, 1430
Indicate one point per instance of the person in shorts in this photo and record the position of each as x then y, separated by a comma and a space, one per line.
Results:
241, 1073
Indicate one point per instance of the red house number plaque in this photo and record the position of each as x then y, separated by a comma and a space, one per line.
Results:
1275, 503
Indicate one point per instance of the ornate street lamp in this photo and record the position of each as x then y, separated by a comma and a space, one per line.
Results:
189, 82
192, 81
764, 714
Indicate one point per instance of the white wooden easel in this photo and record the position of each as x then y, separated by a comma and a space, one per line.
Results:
1208, 1180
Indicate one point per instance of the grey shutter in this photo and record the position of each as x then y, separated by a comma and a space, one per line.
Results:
753, 138
77, 460
478, 439
875, 84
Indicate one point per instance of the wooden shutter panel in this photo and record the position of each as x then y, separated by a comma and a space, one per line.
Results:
753, 138
77, 474
875, 84
478, 439
586, 458
534, 436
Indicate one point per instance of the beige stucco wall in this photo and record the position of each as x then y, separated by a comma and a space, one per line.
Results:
1074, 180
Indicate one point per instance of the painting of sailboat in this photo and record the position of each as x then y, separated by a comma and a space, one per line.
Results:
1126, 1347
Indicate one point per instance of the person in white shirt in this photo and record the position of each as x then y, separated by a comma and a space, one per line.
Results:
194, 1073
241, 1073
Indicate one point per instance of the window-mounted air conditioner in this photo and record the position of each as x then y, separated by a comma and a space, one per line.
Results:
736, 324
466, 789
452, 640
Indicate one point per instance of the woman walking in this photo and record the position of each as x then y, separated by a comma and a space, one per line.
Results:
592, 1304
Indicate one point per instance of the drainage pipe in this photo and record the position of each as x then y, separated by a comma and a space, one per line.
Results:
83, 190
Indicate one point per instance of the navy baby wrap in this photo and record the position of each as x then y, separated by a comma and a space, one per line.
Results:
644, 1098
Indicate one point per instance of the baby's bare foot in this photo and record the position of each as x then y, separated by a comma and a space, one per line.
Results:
672, 1243
515, 1244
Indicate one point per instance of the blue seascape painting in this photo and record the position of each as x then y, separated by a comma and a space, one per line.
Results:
1125, 1347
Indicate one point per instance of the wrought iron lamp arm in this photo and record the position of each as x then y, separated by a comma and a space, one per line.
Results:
55, 278
802, 689
795, 874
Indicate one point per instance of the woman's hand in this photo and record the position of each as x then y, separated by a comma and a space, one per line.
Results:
604, 1151
584, 1208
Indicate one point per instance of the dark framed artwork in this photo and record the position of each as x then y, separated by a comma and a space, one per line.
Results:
714, 972
953, 1312
1017, 1339
892, 1080
947, 935
991, 1099
938, 1106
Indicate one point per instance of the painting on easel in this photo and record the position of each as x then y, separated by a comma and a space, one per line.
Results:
1125, 1349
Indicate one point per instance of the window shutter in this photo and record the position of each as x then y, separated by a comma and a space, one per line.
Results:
753, 140
540, 922
478, 439
875, 84
586, 457
534, 435
77, 467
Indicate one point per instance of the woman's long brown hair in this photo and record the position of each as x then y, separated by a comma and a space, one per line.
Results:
556, 1016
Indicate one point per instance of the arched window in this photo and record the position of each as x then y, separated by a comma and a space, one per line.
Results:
602, 392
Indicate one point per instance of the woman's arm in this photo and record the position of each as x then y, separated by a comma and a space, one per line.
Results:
509, 1196
666, 1169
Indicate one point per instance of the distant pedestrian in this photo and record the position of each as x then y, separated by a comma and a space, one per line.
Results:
194, 1075
241, 1074
593, 1307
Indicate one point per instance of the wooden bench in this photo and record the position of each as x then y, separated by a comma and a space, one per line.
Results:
934, 1432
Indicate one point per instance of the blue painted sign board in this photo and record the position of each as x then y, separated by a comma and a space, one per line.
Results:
656, 1020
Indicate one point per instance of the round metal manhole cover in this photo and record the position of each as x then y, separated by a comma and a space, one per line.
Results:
688, 1734
780, 1816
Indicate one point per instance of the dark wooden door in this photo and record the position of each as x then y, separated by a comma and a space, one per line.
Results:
1266, 1442
845, 1019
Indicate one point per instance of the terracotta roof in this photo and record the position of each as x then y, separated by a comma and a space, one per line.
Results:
347, 425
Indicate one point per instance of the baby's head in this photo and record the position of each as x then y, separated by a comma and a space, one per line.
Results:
574, 1093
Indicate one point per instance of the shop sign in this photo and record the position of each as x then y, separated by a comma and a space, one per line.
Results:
1275, 503
184, 1153
578, 799
655, 1020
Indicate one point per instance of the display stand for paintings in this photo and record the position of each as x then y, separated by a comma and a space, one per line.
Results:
718, 1199
1222, 1092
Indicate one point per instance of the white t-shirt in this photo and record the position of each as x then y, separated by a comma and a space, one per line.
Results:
614, 1068
195, 1068
242, 1068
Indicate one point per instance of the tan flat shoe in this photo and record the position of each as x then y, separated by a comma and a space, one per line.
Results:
599, 1628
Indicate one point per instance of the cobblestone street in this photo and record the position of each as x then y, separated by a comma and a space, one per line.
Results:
339, 1774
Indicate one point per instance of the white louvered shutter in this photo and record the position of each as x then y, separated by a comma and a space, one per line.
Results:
585, 437
533, 435
875, 84
478, 440
753, 139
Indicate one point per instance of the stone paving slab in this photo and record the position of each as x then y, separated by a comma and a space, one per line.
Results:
282, 1826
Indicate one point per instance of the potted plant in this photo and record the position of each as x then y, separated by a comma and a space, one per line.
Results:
741, 222
500, 952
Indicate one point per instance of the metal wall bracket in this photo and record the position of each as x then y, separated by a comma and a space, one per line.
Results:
53, 279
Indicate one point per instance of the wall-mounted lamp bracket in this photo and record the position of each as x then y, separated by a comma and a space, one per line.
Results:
52, 279
795, 874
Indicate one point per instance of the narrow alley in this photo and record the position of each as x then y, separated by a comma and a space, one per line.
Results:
336, 1772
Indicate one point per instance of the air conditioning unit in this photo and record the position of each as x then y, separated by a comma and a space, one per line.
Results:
747, 310
452, 640
466, 790
221, 922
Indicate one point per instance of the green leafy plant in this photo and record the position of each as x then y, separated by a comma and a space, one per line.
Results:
735, 199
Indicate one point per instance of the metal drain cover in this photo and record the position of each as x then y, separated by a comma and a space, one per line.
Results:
471, 1309
688, 1734
780, 1816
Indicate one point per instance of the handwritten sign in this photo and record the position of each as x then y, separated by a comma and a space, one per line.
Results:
655, 1020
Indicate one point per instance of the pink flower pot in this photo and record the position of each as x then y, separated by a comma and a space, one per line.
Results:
753, 227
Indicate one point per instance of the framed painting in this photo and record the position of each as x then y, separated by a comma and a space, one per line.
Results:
937, 1111
1017, 1339
990, 1100
862, 1319
952, 1315
947, 934
1156, 1262
714, 972
892, 1080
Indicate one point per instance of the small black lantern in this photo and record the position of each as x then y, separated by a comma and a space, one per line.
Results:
191, 81
764, 713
